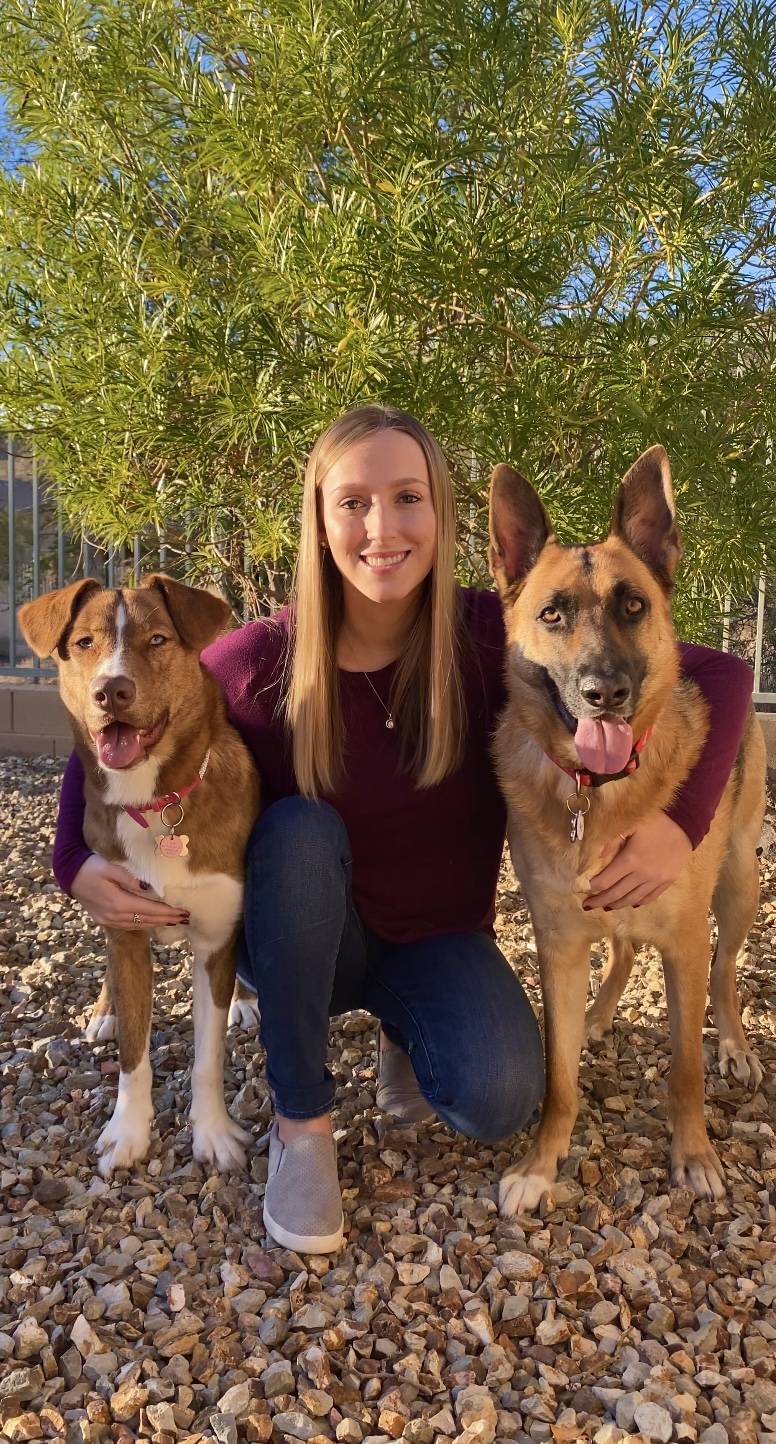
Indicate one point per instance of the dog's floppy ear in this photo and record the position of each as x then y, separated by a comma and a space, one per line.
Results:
45, 621
198, 616
519, 526
645, 514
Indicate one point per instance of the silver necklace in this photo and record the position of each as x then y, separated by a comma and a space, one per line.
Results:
389, 722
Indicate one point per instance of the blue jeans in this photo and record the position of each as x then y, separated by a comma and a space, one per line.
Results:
452, 1001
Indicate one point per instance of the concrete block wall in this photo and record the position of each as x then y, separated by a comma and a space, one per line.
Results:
33, 722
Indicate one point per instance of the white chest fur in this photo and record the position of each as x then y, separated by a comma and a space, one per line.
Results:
214, 899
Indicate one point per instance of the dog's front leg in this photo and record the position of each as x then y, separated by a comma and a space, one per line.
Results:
564, 964
686, 970
217, 1138
126, 1137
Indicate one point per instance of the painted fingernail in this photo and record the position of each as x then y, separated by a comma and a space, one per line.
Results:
608, 910
145, 886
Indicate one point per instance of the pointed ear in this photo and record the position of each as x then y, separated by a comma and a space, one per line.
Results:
519, 526
197, 615
45, 621
645, 514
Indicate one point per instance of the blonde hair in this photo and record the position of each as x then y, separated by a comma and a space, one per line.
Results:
427, 695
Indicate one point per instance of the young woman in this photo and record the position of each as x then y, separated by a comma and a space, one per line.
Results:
369, 706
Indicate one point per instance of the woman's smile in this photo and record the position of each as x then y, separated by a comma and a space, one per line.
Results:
383, 561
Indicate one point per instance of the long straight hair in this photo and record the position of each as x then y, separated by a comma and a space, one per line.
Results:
427, 695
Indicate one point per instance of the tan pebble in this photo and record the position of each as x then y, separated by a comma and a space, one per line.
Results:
51, 1419
742, 1428
391, 1423
316, 1401
127, 1402
349, 1431
518, 1266
258, 1428
22, 1426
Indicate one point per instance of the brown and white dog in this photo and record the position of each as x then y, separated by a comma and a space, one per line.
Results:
595, 696
171, 794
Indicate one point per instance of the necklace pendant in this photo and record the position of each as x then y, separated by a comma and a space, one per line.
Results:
390, 723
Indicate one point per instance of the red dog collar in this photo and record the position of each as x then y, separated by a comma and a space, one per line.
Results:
158, 804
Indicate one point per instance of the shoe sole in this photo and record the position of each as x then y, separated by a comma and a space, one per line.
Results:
413, 1113
301, 1242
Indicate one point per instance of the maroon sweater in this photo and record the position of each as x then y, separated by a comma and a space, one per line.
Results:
424, 861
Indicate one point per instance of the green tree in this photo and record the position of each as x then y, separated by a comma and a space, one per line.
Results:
549, 231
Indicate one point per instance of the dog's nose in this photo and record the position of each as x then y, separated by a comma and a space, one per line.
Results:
608, 693
113, 692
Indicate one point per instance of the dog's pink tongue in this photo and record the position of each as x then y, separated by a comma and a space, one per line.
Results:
604, 744
119, 745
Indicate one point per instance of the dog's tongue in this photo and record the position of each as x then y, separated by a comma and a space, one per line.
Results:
119, 745
604, 744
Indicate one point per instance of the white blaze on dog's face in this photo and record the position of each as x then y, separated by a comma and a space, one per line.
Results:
128, 659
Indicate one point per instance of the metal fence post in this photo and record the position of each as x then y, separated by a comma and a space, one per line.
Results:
11, 554
758, 638
35, 548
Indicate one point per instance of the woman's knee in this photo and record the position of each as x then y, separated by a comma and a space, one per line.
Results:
492, 1098
496, 1115
299, 831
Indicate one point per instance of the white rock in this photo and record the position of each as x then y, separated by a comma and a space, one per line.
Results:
476, 1410
653, 1421
516, 1265
161, 1417
349, 1431
236, 1400
85, 1339
29, 1338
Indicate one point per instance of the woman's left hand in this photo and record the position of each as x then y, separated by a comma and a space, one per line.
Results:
649, 862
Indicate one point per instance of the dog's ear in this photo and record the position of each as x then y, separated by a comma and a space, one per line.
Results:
645, 514
198, 616
45, 621
519, 526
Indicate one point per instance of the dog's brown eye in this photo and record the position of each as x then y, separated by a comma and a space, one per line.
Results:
551, 616
83, 644
634, 606
157, 639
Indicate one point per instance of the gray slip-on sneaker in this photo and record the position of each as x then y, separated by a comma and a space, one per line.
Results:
398, 1091
302, 1200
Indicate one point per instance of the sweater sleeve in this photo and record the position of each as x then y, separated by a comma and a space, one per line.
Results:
726, 683
70, 850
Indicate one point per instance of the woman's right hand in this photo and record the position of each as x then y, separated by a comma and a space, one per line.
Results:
114, 898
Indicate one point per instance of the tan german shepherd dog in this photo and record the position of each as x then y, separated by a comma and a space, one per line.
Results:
595, 695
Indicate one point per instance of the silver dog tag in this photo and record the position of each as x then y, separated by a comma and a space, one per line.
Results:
577, 829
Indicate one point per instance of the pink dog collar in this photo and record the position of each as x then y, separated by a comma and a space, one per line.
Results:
158, 804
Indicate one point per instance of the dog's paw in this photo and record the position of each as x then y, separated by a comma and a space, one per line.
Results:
244, 1014
123, 1141
742, 1063
101, 1027
700, 1170
217, 1140
597, 1025
521, 1190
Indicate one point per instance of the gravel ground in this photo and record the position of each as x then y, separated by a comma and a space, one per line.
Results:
148, 1308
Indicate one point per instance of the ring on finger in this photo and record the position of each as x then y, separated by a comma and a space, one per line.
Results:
136, 920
